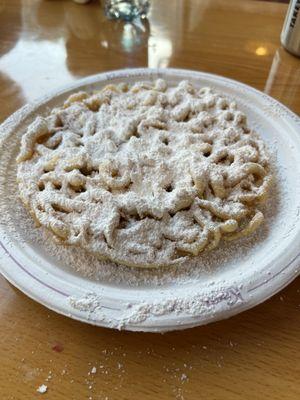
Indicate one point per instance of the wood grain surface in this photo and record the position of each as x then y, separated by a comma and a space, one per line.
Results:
255, 355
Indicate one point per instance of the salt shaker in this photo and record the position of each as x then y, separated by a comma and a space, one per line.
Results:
290, 35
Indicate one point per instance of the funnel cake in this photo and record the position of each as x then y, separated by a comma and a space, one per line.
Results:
145, 175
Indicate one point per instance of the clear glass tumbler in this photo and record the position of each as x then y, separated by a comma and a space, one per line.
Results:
127, 10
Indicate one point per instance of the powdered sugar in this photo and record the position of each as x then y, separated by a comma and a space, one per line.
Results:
90, 302
42, 389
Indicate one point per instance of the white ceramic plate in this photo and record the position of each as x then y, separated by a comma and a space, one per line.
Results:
223, 292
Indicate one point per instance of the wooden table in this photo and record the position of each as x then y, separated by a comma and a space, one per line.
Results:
254, 355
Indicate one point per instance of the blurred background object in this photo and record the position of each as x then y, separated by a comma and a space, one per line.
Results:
290, 35
95, 43
127, 10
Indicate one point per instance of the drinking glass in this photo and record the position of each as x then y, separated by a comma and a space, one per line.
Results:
127, 10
